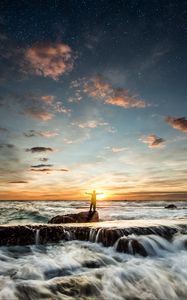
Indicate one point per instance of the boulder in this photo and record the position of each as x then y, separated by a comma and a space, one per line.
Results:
82, 217
171, 206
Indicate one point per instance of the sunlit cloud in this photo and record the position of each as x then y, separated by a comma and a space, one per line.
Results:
49, 99
50, 60
100, 88
39, 149
153, 141
121, 97
39, 114
177, 123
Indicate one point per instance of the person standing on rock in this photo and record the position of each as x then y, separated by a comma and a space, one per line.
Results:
93, 200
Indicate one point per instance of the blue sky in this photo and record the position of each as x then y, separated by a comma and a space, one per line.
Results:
93, 96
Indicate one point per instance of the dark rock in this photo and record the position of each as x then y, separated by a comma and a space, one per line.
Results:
82, 217
171, 206
131, 246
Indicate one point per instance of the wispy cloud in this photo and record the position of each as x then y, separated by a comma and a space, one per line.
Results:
48, 170
50, 60
92, 124
44, 159
99, 87
46, 134
18, 181
39, 149
39, 107
153, 141
177, 123
119, 149
42, 166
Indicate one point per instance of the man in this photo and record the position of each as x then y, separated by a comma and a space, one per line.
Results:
93, 200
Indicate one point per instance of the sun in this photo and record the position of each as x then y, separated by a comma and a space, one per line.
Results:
101, 197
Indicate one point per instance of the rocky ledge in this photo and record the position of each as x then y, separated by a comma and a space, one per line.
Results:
120, 238
82, 217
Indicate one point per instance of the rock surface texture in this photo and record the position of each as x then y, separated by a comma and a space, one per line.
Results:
82, 217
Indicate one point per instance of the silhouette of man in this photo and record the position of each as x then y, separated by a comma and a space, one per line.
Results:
93, 200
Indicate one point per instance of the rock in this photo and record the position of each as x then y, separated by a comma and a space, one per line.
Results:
131, 246
82, 217
171, 206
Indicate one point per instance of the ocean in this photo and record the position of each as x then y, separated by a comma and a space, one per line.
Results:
73, 269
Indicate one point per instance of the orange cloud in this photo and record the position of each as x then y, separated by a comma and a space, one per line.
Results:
50, 60
178, 123
39, 114
121, 97
49, 99
153, 141
99, 87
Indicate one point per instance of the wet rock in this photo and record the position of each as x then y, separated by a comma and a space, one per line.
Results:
108, 236
131, 246
82, 217
171, 206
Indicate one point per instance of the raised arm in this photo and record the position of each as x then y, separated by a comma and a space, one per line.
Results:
99, 193
88, 193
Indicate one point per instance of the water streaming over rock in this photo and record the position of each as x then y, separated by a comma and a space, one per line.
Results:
97, 262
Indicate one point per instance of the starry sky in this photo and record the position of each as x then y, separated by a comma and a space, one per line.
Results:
93, 96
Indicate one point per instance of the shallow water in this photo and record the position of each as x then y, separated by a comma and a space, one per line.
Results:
86, 270
28, 212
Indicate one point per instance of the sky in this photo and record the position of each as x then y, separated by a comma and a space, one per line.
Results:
93, 96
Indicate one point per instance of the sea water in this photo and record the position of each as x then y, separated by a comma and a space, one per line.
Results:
87, 270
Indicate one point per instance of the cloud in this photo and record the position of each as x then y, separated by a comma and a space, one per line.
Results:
44, 159
12, 165
18, 181
39, 114
92, 124
49, 99
39, 149
48, 170
41, 166
50, 60
6, 146
119, 149
153, 141
121, 97
99, 87
39, 107
3, 130
46, 134
177, 123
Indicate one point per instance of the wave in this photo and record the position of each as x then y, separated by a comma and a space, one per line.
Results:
86, 270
